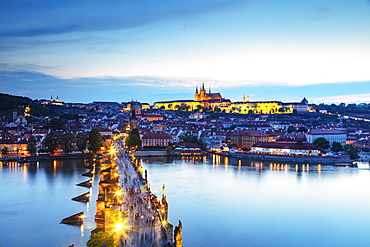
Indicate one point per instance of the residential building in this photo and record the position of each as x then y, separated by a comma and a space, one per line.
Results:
332, 135
156, 139
246, 138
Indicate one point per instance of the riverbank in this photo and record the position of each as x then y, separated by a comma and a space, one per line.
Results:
286, 158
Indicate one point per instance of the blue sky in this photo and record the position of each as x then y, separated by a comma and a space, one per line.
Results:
152, 50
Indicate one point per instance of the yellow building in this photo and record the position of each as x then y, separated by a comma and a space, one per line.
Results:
216, 102
260, 107
202, 99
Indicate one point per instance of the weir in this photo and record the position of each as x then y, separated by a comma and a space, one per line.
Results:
127, 208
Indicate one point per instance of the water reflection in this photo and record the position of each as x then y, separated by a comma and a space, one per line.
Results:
265, 203
36, 196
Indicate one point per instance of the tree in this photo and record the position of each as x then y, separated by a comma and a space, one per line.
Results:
194, 139
352, 151
182, 107
66, 141
5, 150
336, 147
95, 140
199, 108
56, 124
31, 145
81, 141
101, 239
322, 143
51, 142
169, 148
133, 139
291, 129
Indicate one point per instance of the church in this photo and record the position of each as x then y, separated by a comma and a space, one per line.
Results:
203, 95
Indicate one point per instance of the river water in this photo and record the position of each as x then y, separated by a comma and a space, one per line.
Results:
228, 202
220, 201
36, 196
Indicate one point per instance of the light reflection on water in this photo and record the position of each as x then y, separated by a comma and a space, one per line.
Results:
230, 202
36, 196
221, 202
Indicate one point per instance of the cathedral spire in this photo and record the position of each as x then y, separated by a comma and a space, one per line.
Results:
209, 90
203, 87
196, 89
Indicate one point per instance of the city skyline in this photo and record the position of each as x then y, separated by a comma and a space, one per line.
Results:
161, 50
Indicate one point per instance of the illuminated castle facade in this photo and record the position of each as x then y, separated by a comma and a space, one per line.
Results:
203, 95
203, 100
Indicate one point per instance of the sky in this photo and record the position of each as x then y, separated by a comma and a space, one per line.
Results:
156, 50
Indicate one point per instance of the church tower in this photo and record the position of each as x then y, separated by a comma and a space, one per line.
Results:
246, 98
202, 95
15, 115
133, 119
196, 96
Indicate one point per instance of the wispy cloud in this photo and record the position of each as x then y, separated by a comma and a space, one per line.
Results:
46, 17
352, 98
151, 89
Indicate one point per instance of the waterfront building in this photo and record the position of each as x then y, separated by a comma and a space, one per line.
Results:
285, 148
14, 145
332, 135
153, 139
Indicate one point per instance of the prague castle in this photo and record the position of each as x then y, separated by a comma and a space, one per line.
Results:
203, 95
214, 101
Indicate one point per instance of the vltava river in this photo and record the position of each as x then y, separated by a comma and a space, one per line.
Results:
220, 201
227, 202
36, 196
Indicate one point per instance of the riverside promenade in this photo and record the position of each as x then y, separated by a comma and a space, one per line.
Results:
128, 208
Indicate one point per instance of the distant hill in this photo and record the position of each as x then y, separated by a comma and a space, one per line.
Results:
10, 103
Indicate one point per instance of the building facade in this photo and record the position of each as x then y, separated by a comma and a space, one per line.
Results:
153, 139
216, 102
332, 135
285, 148
247, 138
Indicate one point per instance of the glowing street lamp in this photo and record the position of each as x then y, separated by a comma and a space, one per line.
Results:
112, 151
118, 227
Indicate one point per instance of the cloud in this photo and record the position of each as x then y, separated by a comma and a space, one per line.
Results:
351, 98
26, 19
150, 89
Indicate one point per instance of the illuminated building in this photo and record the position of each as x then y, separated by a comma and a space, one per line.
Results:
217, 103
247, 138
52, 101
154, 139
285, 148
